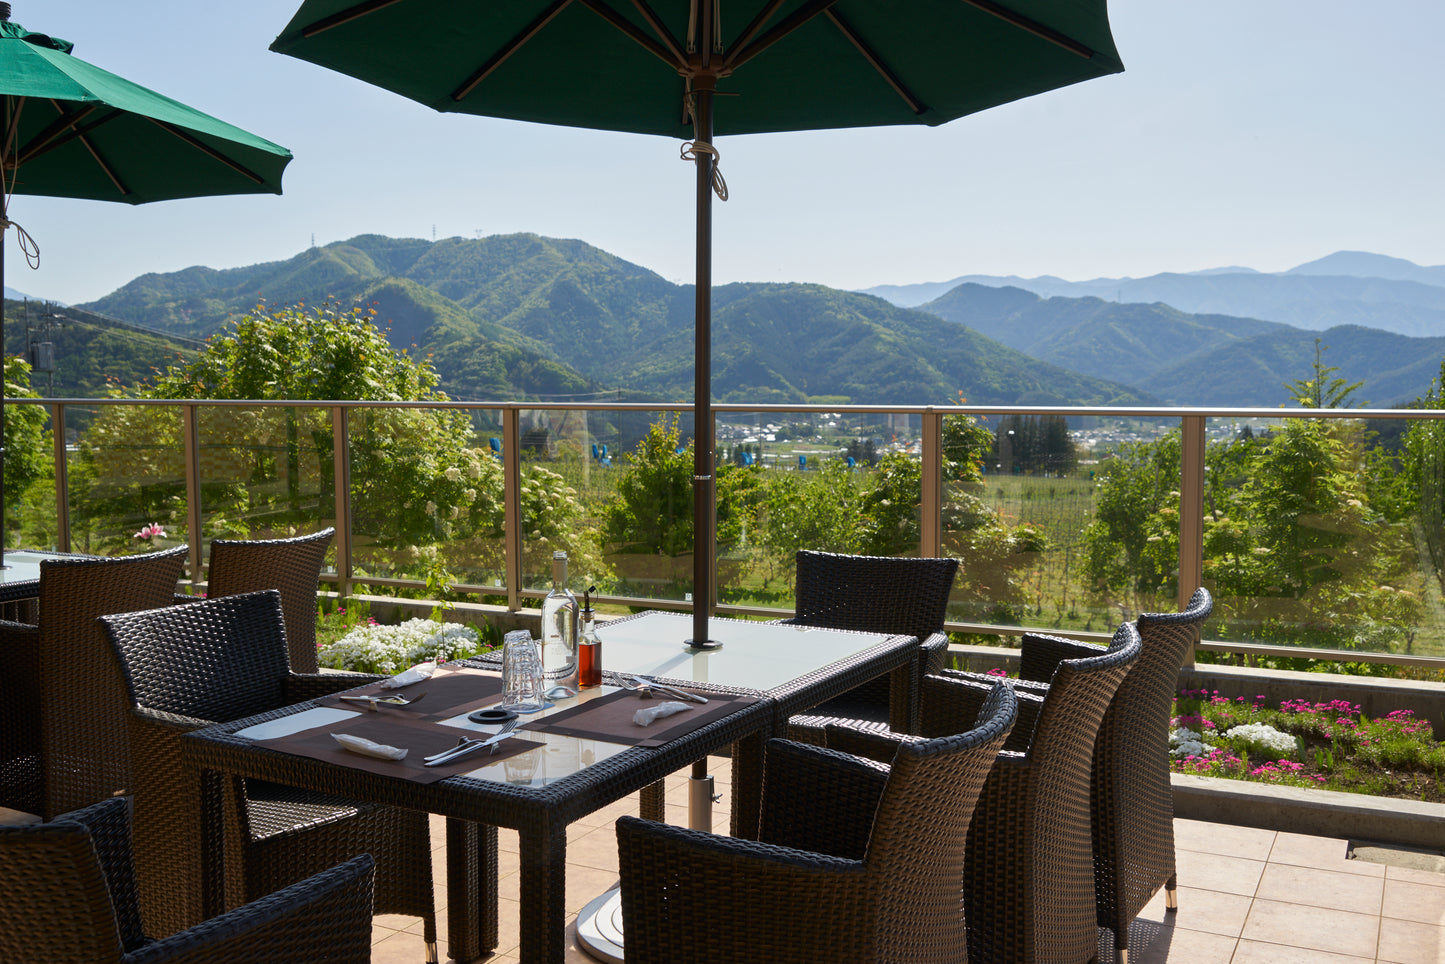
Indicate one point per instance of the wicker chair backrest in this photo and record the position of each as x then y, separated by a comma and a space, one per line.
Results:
920, 833
67, 888
82, 700
219, 659
292, 566
873, 594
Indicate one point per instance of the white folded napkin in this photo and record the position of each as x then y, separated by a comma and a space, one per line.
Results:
644, 717
416, 674
379, 751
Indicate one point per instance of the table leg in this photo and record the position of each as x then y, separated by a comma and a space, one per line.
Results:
471, 889
650, 803
544, 891
748, 786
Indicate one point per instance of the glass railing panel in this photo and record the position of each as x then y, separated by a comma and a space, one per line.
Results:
126, 475
30, 521
1324, 533
266, 472
612, 488
427, 498
822, 480
1018, 493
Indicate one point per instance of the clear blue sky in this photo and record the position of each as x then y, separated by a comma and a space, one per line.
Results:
1263, 133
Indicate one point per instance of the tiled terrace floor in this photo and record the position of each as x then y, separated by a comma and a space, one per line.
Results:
1246, 896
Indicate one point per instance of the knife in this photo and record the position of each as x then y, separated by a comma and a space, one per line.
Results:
466, 748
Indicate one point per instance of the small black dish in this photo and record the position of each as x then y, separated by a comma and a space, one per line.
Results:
494, 714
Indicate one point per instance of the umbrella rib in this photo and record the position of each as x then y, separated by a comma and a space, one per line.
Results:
61, 131
792, 22
345, 16
120, 187
512, 46
914, 104
656, 24
1033, 27
631, 29
209, 151
764, 15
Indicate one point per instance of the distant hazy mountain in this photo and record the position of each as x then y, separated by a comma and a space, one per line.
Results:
1208, 360
521, 316
1346, 288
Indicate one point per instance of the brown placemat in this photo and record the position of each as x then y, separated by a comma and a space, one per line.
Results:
419, 738
609, 718
449, 689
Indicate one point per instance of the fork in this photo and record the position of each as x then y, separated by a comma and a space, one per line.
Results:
466, 744
373, 701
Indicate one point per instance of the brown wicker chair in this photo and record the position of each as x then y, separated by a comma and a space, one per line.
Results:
62, 728
858, 862
292, 566
1029, 880
873, 594
68, 896
1133, 804
186, 667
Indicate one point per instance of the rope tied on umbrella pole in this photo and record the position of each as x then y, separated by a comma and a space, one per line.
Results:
28, 247
690, 152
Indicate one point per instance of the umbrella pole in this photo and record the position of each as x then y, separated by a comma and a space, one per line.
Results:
704, 546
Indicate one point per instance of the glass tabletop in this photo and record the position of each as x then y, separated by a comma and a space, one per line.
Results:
753, 655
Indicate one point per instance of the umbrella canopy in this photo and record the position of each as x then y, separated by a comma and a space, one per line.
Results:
70, 129
696, 68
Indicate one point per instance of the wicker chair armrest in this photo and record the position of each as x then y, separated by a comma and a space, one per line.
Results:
9, 627
819, 800
762, 901
181, 598
109, 825
160, 720
1041, 655
950, 701
869, 744
309, 686
325, 917
935, 653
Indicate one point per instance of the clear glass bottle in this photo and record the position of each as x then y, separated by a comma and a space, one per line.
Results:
589, 648
559, 633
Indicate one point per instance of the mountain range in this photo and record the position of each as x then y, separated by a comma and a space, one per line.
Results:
522, 316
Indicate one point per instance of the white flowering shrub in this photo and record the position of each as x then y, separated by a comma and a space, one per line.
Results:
1265, 738
1184, 742
391, 649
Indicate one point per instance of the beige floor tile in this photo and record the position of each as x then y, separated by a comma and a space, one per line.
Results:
1229, 875
1409, 942
1150, 943
403, 948
1210, 911
1321, 888
1415, 876
597, 849
1325, 853
1406, 900
1316, 929
1259, 952
1221, 839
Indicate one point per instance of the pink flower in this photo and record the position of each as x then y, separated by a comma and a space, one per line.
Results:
148, 532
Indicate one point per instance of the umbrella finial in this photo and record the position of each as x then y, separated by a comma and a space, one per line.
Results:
4, 11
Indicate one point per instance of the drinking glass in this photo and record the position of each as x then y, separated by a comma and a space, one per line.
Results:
522, 680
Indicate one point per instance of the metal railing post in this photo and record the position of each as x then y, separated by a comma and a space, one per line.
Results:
62, 479
341, 469
191, 446
512, 497
931, 494
1191, 512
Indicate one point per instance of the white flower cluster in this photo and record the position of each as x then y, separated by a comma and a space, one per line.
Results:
1184, 742
1263, 735
391, 649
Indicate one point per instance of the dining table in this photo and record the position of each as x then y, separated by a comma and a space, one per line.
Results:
567, 761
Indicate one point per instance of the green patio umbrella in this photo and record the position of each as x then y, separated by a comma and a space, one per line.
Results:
696, 68
73, 130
